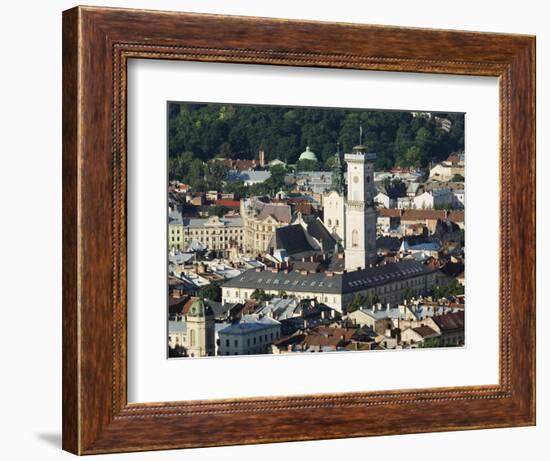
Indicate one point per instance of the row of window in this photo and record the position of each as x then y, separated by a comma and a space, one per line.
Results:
265, 228
237, 230
213, 239
256, 340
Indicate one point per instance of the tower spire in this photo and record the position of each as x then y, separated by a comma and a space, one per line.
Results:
360, 134
337, 180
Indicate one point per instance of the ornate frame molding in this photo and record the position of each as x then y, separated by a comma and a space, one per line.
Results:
97, 44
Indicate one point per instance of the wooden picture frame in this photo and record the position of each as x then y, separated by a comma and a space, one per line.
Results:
97, 43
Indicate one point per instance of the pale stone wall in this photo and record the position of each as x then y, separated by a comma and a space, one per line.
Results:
334, 215
200, 336
360, 226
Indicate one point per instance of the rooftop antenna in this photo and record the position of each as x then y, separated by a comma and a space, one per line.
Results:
338, 148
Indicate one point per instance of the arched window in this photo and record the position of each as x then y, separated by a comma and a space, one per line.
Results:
192, 338
354, 238
329, 222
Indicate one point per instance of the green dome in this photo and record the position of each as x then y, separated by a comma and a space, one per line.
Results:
308, 155
199, 309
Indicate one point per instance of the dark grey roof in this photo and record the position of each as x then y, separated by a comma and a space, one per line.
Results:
319, 232
349, 282
292, 239
388, 243
220, 310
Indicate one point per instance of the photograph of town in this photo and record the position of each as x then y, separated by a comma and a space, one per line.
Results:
304, 230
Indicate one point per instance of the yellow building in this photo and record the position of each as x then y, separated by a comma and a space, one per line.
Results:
260, 220
214, 233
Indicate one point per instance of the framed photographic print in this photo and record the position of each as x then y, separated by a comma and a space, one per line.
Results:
286, 230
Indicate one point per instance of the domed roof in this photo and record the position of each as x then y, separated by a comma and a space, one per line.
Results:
308, 155
199, 309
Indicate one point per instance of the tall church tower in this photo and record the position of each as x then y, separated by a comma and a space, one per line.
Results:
360, 228
201, 333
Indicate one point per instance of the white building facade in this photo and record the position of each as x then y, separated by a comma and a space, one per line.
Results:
252, 335
334, 214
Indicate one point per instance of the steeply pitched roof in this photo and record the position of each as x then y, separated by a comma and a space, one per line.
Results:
292, 239
320, 233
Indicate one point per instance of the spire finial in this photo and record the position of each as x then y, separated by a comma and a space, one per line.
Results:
360, 134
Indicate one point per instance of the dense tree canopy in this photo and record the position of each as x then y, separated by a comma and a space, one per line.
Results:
199, 132
213, 292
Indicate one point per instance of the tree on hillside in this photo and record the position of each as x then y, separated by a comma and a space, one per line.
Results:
199, 132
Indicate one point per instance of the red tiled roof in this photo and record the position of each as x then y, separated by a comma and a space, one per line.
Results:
453, 321
188, 305
389, 212
456, 216
228, 203
425, 331
238, 164
304, 207
421, 215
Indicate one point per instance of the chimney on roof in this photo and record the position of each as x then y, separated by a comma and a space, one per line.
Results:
387, 306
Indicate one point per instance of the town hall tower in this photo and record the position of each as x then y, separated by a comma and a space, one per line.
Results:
360, 229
